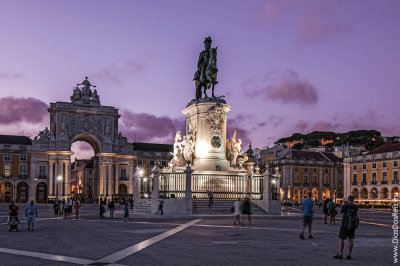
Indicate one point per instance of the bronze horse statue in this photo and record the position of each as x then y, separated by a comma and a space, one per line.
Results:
211, 71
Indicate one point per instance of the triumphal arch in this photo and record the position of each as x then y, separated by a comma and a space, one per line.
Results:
84, 119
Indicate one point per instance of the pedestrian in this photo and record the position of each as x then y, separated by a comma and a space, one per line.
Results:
101, 208
13, 219
70, 206
160, 207
237, 210
31, 212
325, 209
307, 216
65, 208
348, 227
210, 198
77, 207
56, 208
111, 207
246, 209
131, 205
126, 211
332, 211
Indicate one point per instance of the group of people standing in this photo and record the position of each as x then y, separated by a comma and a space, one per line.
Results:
64, 208
31, 213
241, 209
348, 225
110, 205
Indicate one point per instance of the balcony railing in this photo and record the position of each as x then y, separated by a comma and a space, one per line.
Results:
315, 184
123, 178
296, 184
305, 184
42, 176
373, 182
354, 183
363, 183
23, 176
395, 181
384, 182
6, 176
326, 185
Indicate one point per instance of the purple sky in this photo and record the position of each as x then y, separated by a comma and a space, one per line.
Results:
284, 66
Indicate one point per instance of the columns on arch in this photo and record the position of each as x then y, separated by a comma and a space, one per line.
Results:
116, 177
51, 178
110, 180
131, 177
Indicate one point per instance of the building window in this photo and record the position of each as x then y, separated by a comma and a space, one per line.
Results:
7, 170
384, 164
22, 157
326, 171
364, 166
22, 169
314, 179
374, 165
395, 163
90, 172
296, 179
296, 169
151, 162
314, 170
7, 157
354, 178
23, 148
355, 167
164, 163
123, 173
364, 178
384, 176
340, 181
306, 169
140, 162
42, 170
395, 175
306, 179
374, 178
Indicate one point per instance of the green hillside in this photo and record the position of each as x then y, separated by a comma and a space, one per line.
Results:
370, 138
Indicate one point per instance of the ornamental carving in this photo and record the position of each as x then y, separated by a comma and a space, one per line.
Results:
216, 117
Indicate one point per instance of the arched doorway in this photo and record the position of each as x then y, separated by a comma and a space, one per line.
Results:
314, 193
123, 189
305, 193
384, 193
374, 193
395, 192
364, 193
22, 192
7, 192
41, 192
296, 196
326, 193
355, 193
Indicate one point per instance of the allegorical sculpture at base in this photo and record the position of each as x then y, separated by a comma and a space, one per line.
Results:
206, 74
184, 147
233, 151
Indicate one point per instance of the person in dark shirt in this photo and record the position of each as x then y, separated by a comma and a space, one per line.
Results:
345, 231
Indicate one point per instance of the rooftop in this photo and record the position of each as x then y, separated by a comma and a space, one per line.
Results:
387, 147
12, 139
315, 156
140, 146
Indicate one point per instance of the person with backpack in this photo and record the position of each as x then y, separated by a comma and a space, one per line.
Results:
332, 211
348, 227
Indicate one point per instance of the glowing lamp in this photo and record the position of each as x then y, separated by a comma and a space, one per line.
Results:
59, 178
140, 172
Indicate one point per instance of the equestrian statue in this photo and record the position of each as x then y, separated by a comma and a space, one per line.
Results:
206, 74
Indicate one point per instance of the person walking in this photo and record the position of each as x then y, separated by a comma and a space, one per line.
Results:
77, 208
210, 198
101, 208
13, 219
65, 208
56, 208
160, 207
126, 211
325, 209
237, 210
246, 209
348, 227
111, 207
307, 214
131, 205
31, 212
332, 211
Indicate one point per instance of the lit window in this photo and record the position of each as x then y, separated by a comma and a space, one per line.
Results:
7, 170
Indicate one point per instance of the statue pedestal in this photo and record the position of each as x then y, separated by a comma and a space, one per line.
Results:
208, 119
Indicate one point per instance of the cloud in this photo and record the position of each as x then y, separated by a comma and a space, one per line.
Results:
311, 21
317, 23
289, 88
15, 110
145, 127
5, 75
117, 72
305, 127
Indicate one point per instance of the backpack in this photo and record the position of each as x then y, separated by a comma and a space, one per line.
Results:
352, 221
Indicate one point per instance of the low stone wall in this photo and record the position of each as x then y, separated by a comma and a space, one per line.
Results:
173, 206
273, 208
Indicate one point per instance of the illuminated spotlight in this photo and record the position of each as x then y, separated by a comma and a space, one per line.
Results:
146, 196
145, 179
140, 172
59, 178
